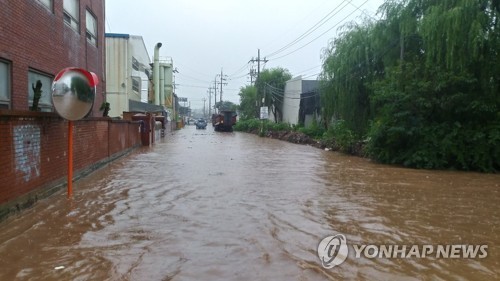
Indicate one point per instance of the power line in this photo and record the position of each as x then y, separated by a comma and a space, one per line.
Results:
191, 70
281, 94
320, 23
239, 70
294, 26
307, 70
193, 78
350, 14
311, 75
364, 12
241, 76
191, 86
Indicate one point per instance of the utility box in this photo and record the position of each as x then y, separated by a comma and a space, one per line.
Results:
163, 121
147, 127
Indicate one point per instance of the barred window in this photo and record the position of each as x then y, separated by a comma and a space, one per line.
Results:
91, 24
4, 84
135, 63
136, 84
72, 13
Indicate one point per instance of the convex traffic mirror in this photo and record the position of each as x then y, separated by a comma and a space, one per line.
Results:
73, 93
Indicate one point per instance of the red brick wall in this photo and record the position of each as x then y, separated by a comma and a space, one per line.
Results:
90, 142
34, 148
32, 36
121, 139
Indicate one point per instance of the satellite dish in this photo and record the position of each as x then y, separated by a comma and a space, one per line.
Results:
73, 93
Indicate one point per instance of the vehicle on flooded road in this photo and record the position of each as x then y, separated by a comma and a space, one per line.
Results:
201, 124
224, 121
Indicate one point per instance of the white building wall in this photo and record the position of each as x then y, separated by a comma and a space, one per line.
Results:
116, 75
120, 73
291, 100
138, 50
168, 74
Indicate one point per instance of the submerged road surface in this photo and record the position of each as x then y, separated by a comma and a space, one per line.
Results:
202, 205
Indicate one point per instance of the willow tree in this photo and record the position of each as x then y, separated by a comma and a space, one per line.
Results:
464, 36
426, 77
440, 105
348, 70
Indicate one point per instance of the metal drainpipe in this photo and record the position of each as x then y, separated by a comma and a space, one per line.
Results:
165, 82
162, 87
156, 73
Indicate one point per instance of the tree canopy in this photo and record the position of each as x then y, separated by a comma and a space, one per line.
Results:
267, 91
226, 105
274, 78
248, 102
421, 84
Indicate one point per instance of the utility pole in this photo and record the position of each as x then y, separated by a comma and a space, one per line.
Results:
252, 75
210, 102
258, 60
215, 95
204, 108
222, 79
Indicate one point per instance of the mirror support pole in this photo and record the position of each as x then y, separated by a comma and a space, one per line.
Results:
70, 159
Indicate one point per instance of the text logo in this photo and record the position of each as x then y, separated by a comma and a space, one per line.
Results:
333, 250
421, 251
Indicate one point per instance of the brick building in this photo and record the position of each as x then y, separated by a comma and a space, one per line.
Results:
38, 38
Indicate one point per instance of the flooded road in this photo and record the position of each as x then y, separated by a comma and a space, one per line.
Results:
202, 205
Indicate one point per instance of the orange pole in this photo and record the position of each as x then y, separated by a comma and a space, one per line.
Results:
70, 159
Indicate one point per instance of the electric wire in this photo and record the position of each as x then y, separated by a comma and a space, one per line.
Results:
239, 70
192, 78
320, 23
306, 70
293, 27
350, 14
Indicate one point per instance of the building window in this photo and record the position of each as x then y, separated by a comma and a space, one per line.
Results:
4, 85
91, 28
135, 64
45, 101
136, 84
72, 13
47, 3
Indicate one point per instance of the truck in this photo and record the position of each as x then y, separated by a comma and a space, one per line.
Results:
224, 121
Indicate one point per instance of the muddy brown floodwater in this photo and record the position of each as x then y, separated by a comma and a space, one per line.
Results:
202, 205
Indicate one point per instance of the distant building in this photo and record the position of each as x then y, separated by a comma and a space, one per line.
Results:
130, 76
39, 38
167, 72
128, 71
301, 102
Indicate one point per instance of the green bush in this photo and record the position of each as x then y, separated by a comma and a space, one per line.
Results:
315, 130
277, 127
442, 123
439, 146
256, 124
340, 136
247, 125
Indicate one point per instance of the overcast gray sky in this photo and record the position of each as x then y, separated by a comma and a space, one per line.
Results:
203, 36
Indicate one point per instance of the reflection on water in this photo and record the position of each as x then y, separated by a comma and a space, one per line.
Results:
230, 206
